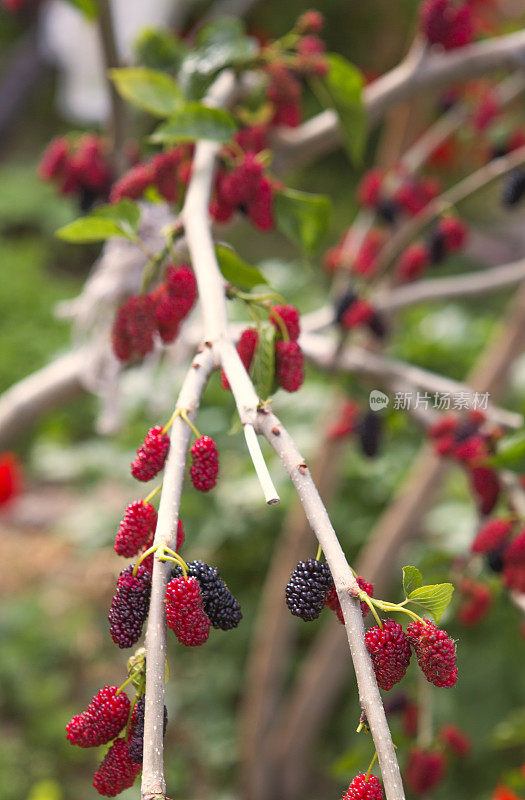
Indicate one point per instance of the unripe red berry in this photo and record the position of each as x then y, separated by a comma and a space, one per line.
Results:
455, 740
485, 112
454, 232
260, 207
289, 318
515, 552
369, 189
133, 184
435, 652
133, 328
55, 161
246, 347
332, 600
241, 184
476, 602
412, 262
116, 772
446, 24
365, 261
410, 719
163, 168
491, 536
486, 486
310, 21
253, 138
359, 313
184, 611
363, 788
424, 771
289, 365
205, 467
151, 455
390, 652
136, 530
182, 286
104, 718
345, 424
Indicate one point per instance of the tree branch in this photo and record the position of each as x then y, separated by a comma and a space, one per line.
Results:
118, 114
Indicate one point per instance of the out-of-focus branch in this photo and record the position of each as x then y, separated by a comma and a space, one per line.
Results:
153, 783
321, 134
117, 119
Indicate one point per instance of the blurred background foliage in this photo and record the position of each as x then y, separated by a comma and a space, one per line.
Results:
58, 570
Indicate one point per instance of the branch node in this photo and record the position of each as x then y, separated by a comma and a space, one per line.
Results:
302, 469
276, 431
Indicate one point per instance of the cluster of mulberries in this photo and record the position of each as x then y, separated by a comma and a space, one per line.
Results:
136, 731
449, 23
332, 600
168, 173
129, 607
307, 590
246, 189
424, 770
185, 613
364, 787
136, 530
363, 263
78, 168
410, 196
140, 318
205, 467
117, 771
390, 651
353, 311
435, 652
151, 454
219, 604
104, 718
470, 442
447, 237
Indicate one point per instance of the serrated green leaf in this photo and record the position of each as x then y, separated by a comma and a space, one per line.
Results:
222, 43
412, 579
303, 217
510, 453
120, 219
159, 49
194, 121
236, 271
263, 364
148, 89
344, 86
88, 8
433, 598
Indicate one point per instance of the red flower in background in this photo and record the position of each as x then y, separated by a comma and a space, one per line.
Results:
10, 477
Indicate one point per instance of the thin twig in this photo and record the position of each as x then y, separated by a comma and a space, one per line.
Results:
117, 118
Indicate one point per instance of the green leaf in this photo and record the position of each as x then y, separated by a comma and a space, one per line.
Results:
434, 598
236, 271
303, 217
412, 579
222, 43
105, 222
263, 365
510, 453
148, 89
344, 86
87, 7
195, 121
159, 49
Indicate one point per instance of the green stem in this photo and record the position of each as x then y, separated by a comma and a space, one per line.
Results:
124, 684
152, 494
319, 553
370, 603
170, 555
184, 414
144, 555
167, 426
280, 322
369, 770
384, 606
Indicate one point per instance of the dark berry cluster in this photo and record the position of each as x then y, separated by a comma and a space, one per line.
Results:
185, 613
142, 317
168, 173
364, 787
137, 529
78, 168
353, 311
435, 652
390, 651
151, 455
136, 731
308, 588
104, 718
424, 771
447, 237
117, 771
129, 607
222, 608
205, 466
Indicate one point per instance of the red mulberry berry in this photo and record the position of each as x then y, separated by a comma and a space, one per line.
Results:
289, 318
167, 314
253, 138
151, 455
424, 771
435, 652
289, 361
205, 467
365, 261
476, 602
134, 327
346, 422
246, 347
104, 718
491, 536
55, 162
410, 719
390, 651
446, 24
363, 788
332, 600
129, 607
310, 21
163, 168
412, 262
133, 184
220, 606
308, 588
241, 184
184, 612
116, 772
90, 165
454, 232
515, 553
181, 285
136, 530
368, 191
260, 208
359, 313
485, 483
514, 577
455, 740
